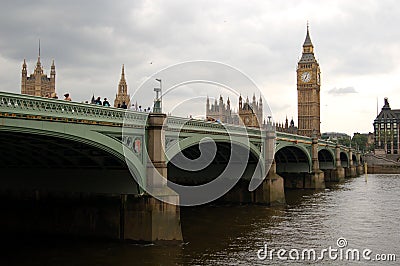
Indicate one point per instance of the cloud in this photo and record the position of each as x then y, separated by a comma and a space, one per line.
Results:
354, 44
342, 91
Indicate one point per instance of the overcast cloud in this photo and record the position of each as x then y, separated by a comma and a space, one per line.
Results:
341, 91
356, 43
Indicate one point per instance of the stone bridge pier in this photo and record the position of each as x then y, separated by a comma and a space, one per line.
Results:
339, 172
360, 164
272, 190
317, 180
351, 171
149, 218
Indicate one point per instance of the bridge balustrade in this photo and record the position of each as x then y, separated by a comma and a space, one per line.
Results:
48, 109
178, 123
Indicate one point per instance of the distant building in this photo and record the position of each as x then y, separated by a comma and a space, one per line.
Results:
221, 111
122, 95
286, 128
370, 140
251, 114
386, 130
38, 83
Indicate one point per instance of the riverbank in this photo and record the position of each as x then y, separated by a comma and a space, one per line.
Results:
383, 169
380, 164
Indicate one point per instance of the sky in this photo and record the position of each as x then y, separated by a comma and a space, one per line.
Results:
356, 43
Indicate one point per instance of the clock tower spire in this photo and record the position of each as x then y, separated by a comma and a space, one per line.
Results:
308, 90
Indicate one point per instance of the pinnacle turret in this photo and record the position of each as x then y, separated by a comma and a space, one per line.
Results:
122, 95
307, 41
308, 49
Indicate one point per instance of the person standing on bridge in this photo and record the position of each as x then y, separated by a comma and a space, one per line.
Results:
67, 98
106, 103
98, 101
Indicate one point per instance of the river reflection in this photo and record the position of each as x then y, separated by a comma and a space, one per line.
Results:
365, 214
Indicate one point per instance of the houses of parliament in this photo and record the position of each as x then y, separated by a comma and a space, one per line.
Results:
250, 113
39, 84
308, 101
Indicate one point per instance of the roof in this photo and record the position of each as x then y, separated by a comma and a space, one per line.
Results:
387, 113
307, 58
307, 41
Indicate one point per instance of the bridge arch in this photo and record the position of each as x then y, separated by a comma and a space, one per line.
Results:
354, 158
326, 159
185, 143
66, 162
344, 159
292, 159
190, 149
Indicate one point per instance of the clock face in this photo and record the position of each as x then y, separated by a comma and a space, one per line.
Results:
306, 76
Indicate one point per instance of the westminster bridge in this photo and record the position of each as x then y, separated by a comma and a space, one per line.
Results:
79, 160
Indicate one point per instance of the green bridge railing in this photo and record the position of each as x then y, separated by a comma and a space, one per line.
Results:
33, 107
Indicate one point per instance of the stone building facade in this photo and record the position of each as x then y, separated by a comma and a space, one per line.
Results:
38, 83
251, 114
286, 128
219, 111
386, 130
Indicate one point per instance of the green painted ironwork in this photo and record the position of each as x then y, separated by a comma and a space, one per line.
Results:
103, 125
48, 109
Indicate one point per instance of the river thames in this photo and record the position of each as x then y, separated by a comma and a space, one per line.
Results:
343, 219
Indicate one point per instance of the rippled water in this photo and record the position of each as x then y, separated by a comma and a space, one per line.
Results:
366, 215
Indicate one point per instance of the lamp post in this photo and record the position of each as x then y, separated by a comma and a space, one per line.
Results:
158, 101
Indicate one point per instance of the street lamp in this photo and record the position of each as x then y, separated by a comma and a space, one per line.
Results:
158, 101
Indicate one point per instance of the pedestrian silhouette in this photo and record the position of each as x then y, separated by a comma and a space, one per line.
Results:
98, 101
67, 98
106, 103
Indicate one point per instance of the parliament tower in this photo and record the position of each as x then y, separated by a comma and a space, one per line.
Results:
308, 91
122, 95
38, 83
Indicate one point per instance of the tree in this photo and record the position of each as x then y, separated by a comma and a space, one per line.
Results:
360, 141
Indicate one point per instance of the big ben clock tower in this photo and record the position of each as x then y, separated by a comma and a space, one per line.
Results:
308, 91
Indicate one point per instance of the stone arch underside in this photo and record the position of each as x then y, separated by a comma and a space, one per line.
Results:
223, 156
294, 165
228, 156
344, 160
326, 160
292, 159
354, 158
47, 163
